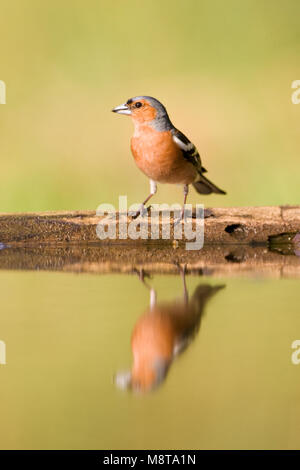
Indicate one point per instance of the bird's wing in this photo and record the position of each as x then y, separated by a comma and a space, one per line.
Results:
189, 150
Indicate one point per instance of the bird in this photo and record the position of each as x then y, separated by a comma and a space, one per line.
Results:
162, 152
163, 332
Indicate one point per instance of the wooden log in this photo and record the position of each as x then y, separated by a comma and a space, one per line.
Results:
234, 225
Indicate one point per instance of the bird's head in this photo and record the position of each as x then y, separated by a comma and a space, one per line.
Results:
146, 110
144, 377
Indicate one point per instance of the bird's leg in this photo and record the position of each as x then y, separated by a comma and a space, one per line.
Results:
182, 271
153, 297
153, 189
185, 291
142, 274
185, 194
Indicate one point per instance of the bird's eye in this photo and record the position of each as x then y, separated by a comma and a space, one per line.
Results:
138, 104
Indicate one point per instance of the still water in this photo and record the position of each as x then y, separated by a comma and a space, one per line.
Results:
212, 362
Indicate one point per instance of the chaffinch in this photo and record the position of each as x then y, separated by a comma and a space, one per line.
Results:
161, 151
163, 332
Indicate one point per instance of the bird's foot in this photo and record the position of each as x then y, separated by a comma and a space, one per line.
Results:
182, 268
178, 221
183, 215
207, 213
142, 275
143, 211
193, 214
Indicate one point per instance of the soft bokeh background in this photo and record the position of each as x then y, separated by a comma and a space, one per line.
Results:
224, 70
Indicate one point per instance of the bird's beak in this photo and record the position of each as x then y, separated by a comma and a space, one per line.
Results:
122, 109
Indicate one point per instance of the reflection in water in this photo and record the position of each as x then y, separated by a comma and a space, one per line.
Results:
160, 334
56, 391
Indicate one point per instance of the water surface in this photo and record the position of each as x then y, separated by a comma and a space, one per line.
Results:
67, 335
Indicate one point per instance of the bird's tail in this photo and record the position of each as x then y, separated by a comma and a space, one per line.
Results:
203, 293
204, 186
201, 296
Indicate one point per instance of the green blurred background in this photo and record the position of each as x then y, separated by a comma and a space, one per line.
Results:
223, 69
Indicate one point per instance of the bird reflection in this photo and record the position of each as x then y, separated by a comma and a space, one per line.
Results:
161, 334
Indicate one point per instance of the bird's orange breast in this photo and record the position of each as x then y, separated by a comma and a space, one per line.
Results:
152, 341
157, 155
155, 337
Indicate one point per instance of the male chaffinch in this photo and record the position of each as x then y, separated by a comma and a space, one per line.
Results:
161, 151
160, 334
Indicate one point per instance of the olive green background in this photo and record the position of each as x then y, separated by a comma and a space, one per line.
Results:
223, 69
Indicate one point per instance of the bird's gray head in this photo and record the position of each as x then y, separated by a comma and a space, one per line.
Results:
146, 110
143, 379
